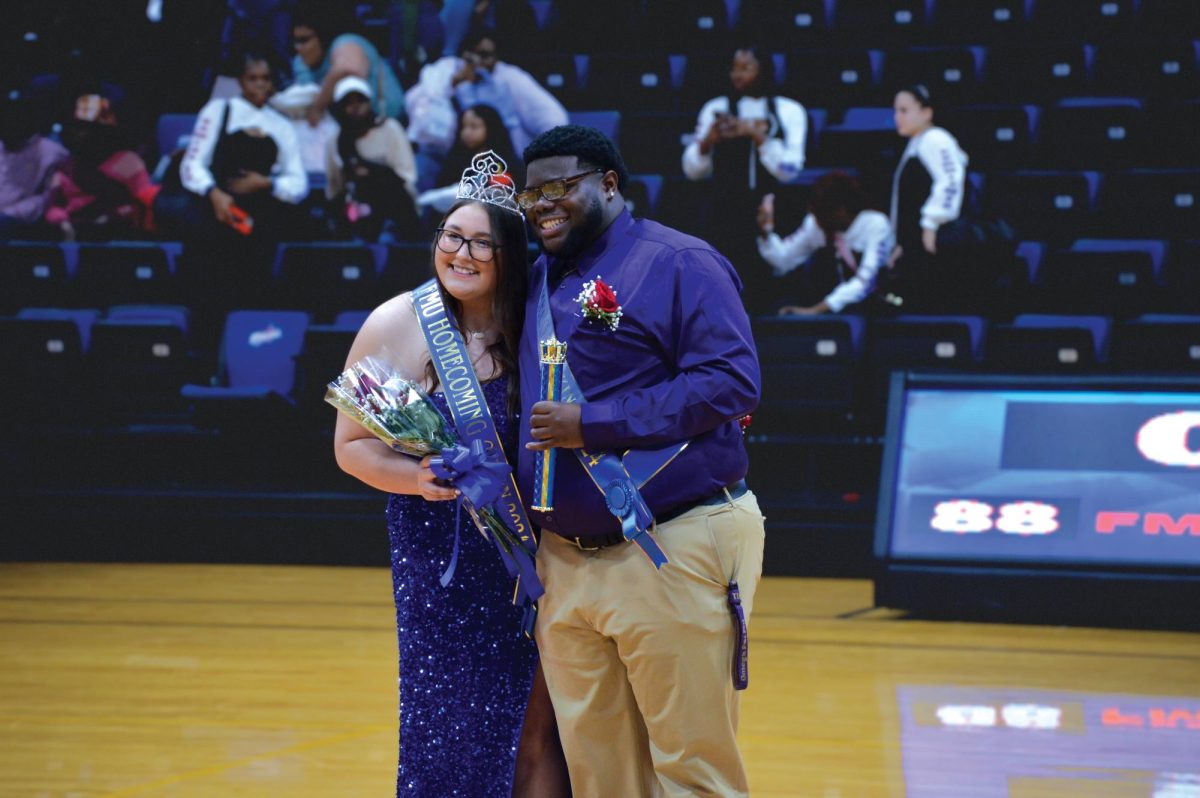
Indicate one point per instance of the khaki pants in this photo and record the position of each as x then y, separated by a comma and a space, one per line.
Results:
639, 662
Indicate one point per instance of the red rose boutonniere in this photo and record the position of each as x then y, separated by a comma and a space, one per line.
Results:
598, 301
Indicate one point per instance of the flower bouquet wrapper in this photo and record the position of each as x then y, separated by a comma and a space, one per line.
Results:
376, 395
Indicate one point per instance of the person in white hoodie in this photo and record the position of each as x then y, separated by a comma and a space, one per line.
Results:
927, 192
860, 238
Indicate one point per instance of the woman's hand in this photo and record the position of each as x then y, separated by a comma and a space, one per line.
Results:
798, 310
766, 214
929, 241
249, 183
427, 486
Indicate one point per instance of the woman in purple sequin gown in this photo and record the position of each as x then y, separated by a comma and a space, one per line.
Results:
469, 725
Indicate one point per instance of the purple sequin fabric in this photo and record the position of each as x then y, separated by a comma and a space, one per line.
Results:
465, 667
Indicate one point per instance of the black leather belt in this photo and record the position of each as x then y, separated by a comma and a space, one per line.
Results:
723, 496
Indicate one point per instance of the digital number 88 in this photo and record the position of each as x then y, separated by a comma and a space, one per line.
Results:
965, 516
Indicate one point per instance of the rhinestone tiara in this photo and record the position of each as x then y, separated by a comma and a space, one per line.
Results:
487, 180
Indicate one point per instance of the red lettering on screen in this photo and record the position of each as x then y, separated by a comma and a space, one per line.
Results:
1154, 718
1107, 522
1112, 716
1174, 719
1161, 522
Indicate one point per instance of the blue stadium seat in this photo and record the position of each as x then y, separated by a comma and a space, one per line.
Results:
1152, 202
880, 20
1113, 277
835, 78
1168, 69
1044, 205
1091, 133
780, 26
810, 369
43, 351
629, 82
1160, 19
1086, 19
997, 136
653, 141
128, 271
257, 371
1033, 73
1181, 276
924, 342
1049, 343
927, 343
1172, 126
986, 20
140, 357
320, 361
694, 27
405, 268
1033, 253
1157, 343
34, 274
324, 277
555, 72
607, 122
951, 73
351, 319
174, 132
863, 137
641, 194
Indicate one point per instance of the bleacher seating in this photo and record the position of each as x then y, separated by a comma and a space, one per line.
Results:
1080, 118
257, 372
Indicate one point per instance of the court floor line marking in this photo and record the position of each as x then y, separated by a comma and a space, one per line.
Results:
213, 770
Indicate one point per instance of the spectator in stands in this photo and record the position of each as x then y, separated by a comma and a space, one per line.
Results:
103, 190
477, 76
242, 161
371, 173
927, 192
480, 129
509, 18
749, 141
838, 219
28, 163
325, 55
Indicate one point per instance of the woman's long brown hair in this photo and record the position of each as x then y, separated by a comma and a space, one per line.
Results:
508, 303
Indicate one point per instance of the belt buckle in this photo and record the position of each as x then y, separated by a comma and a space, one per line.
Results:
582, 547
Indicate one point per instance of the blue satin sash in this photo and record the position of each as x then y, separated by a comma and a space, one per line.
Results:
477, 465
607, 470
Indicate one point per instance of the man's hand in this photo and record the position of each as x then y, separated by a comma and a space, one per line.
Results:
766, 214
556, 425
929, 241
221, 203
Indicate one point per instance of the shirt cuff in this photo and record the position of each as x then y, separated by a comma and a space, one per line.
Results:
596, 419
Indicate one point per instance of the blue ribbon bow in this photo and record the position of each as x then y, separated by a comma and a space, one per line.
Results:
479, 478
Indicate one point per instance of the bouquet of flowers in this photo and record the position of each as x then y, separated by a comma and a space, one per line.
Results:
396, 410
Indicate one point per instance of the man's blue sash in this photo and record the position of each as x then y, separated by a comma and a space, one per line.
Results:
606, 469
475, 426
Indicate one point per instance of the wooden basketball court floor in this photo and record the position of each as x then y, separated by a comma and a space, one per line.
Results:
227, 681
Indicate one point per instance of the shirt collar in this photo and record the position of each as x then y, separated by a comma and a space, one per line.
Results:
583, 261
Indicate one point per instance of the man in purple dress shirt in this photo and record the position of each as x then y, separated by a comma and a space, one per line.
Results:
640, 661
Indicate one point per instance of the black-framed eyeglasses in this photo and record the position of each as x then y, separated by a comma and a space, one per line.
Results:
450, 242
552, 190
